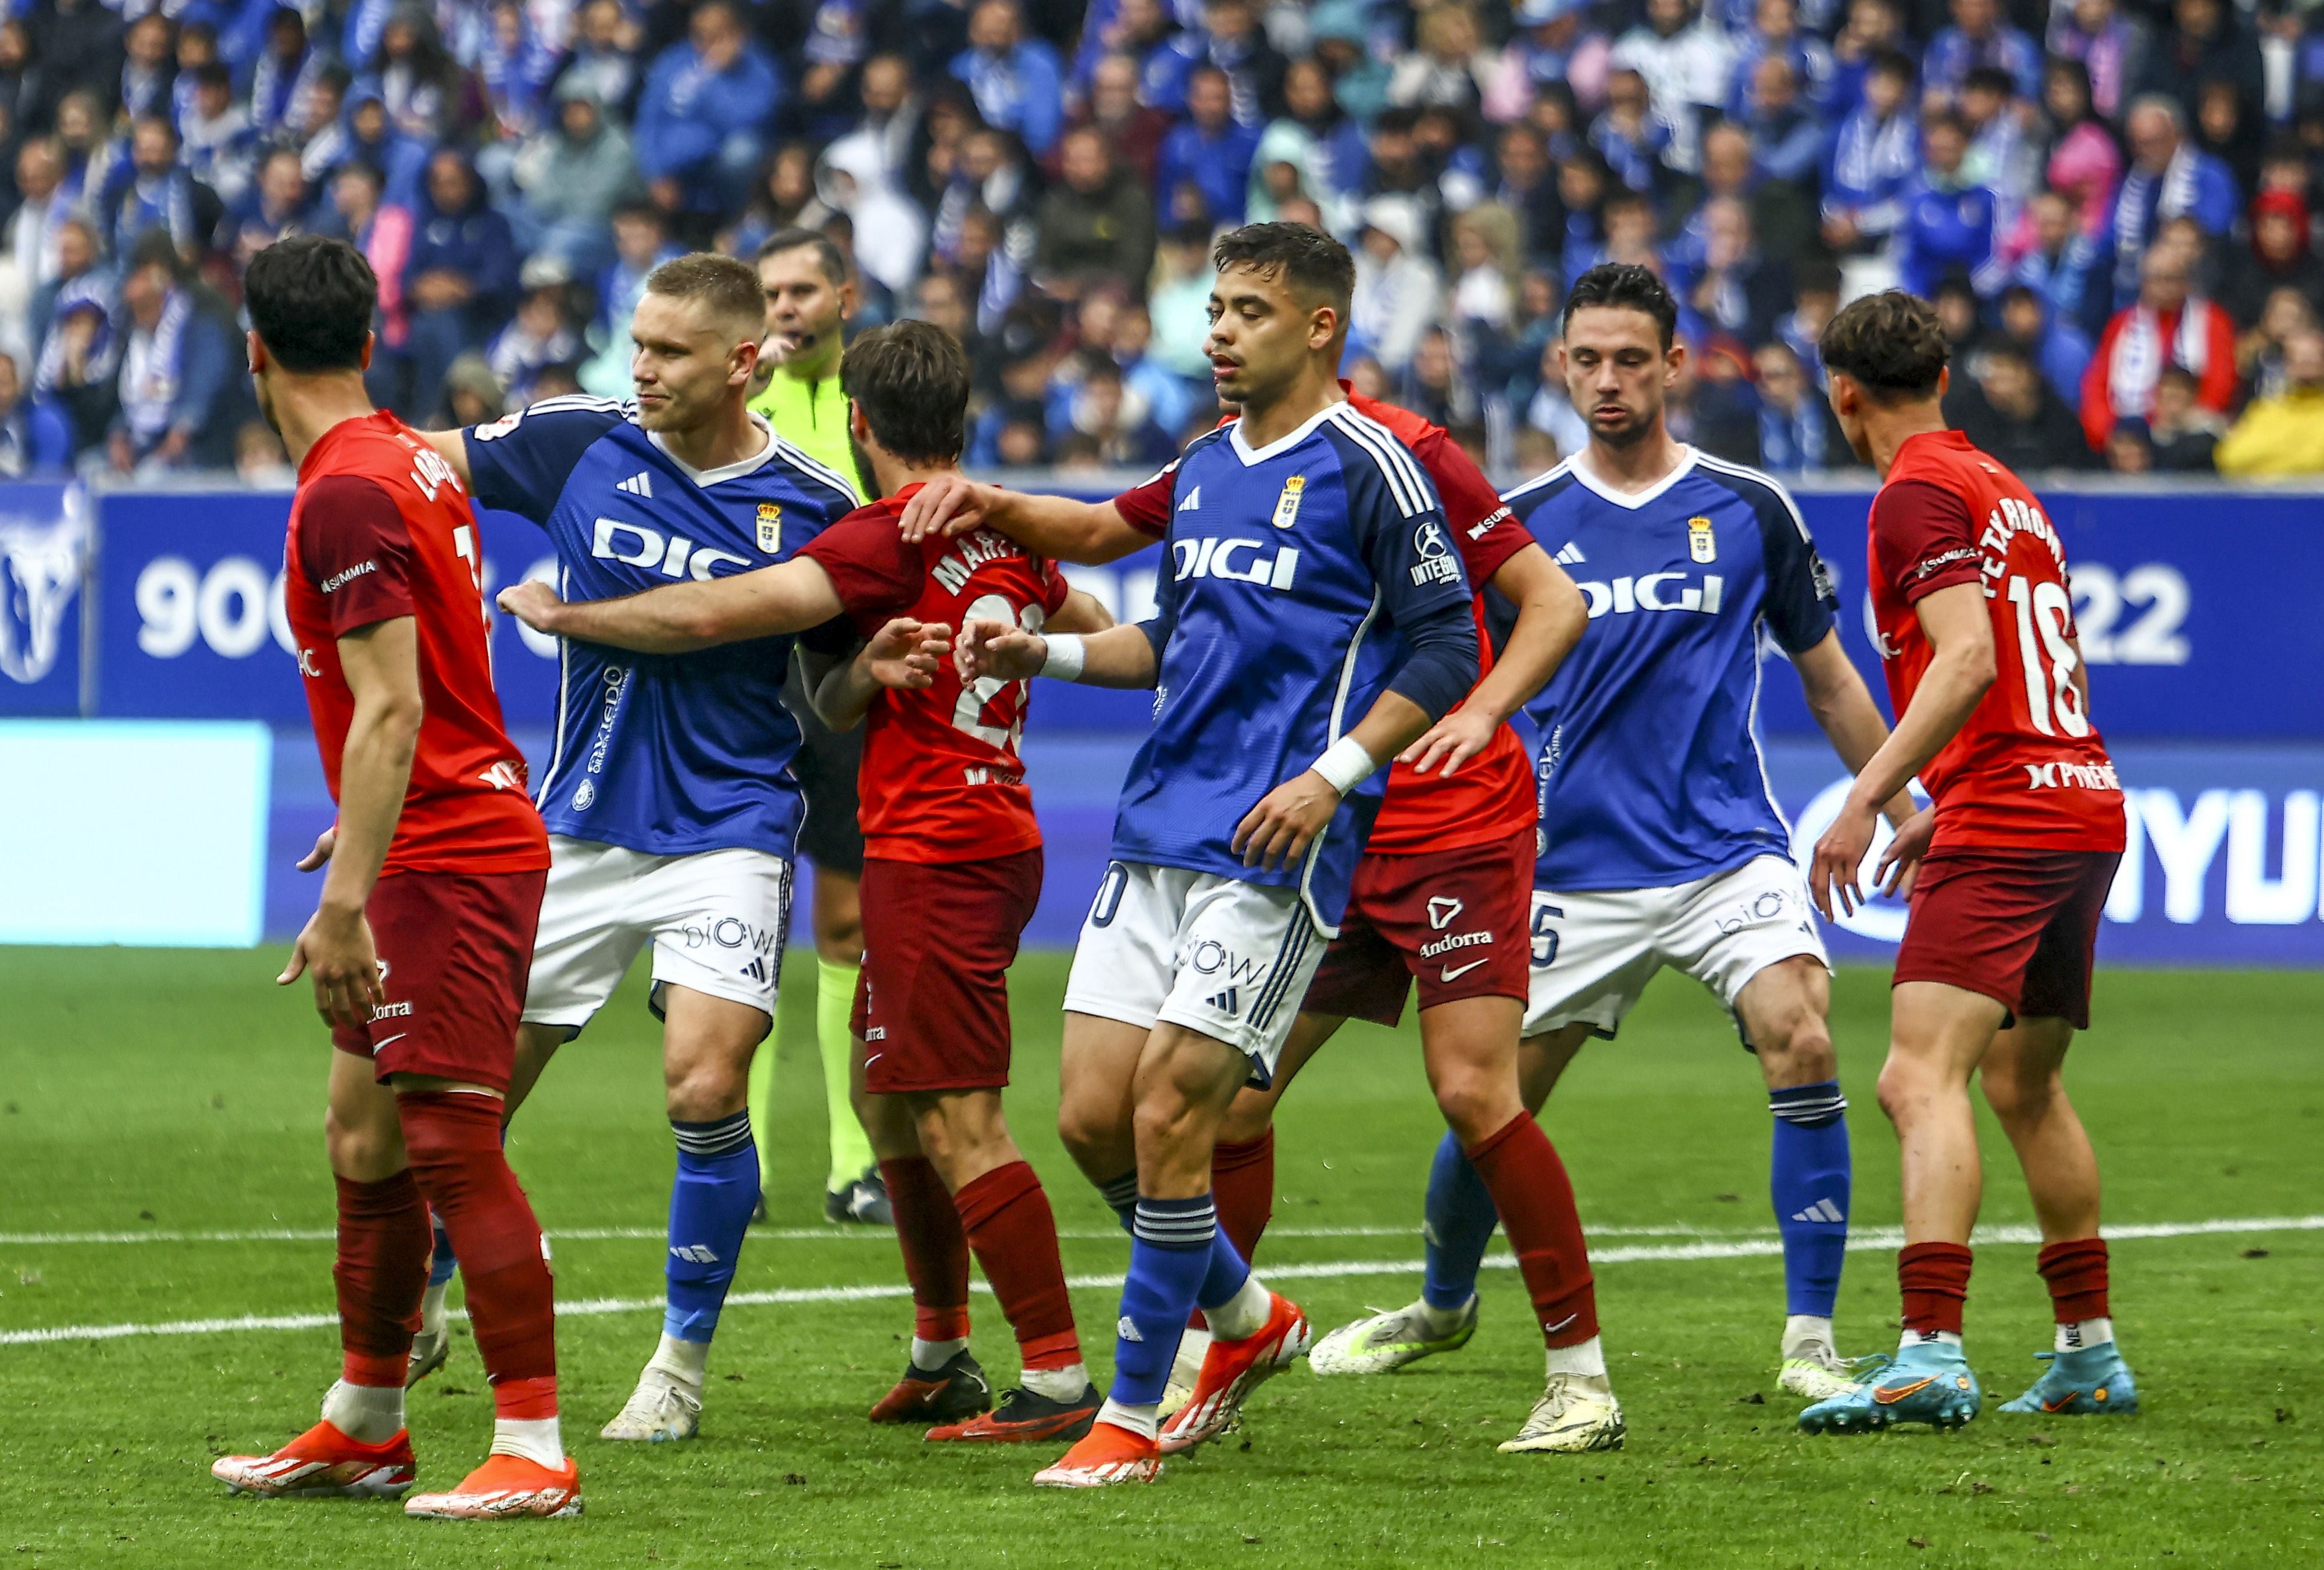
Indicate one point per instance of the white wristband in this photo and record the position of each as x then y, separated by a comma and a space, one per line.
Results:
1066, 656
1345, 763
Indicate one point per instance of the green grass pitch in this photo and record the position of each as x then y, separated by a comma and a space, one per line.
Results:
150, 1092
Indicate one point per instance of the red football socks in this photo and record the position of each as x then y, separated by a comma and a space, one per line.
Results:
1242, 1188
1522, 1172
2075, 1273
1934, 1279
1009, 1223
381, 1272
453, 1139
936, 1250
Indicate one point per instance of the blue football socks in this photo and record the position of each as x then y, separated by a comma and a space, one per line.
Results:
1171, 1252
710, 1207
1809, 1180
1460, 1220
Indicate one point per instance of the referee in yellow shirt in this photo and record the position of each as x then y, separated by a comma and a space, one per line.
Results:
809, 297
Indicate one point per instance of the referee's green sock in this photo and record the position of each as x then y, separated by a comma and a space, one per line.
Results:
835, 1005
762, 1108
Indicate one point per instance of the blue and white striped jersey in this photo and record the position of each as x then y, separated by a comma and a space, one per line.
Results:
1297, 576
1649, 770
667, 754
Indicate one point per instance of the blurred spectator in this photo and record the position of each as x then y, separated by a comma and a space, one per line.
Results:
2129, 449
1324, 146
2085, 163
35, 437
1775, 34
1255, 71
2278, 257
472, 393
1738, 289
375, 138
2110, 47
2010, 410
1873, 29
175, 409
572, 176
1451, 68
1797, 432
2050, 254
2169, 177
2182, 434
1527, 185
1133, 131
541, 333
781, 200
2282, 433
2003, 155
1203, 172
152, 191
259, 461
2057, 347
702, 117
1630, 136
1873, 158
2168, 326
1485, 253
2260, 352
425, 92
1120, 421
1980, 37
149, 67
640, 244
1017, 81
1179, 301
1686, 62
1948, 219
890, 235
276, 205
2205, 40
462, 275
1786, 142
1398, 292
1097, 221
221, 149
285, 74
42, 209
1433, 386
71, 42
603, 54
1783, 215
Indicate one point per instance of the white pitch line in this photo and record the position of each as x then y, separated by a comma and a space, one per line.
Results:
784, 1234
1751, 1248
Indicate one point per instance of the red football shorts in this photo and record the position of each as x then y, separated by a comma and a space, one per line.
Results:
1455, 919
454, 952
932, 1009
2014, 924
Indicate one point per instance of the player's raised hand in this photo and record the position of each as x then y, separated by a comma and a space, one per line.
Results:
530, 601
1900, 862
907, 653
999, 649
1278, 831
336, 949
325, 843
1450, 742
947, 506
1838, 860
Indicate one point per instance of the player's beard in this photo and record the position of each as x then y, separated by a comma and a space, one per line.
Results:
1641, 425
863, 466
265, 396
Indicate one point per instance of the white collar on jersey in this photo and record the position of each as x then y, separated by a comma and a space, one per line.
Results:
1282, 444
734, 470
1634, 499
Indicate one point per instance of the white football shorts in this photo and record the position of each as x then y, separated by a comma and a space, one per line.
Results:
1227, 959
1594, 954
717, 920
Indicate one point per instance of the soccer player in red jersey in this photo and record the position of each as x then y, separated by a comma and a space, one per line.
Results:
419, 948
1976, 622
948, 827
1450, 859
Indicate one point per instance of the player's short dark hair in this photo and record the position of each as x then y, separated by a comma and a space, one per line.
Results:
911, 381
1624, 286
827, 254
1891, 342
728, 287
1310, 262
311, 301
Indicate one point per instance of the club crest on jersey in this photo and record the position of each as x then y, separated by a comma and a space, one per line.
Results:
1701, 544
770, 527
1286, 506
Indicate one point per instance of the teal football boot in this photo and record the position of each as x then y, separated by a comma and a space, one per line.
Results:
2088, 1380
1929, 1383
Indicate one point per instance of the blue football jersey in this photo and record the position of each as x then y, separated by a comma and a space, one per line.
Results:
1649, 770
1289, 570
667, 754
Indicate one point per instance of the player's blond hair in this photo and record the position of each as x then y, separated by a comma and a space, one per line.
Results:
729, 287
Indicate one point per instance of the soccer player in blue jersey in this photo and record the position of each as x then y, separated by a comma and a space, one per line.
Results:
1660, 844
1314, 621
671, 806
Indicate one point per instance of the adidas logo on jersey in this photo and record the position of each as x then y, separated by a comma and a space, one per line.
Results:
1570, 556
1822, 1211
1193, 500
1225, 1001
640, 484
1223, 558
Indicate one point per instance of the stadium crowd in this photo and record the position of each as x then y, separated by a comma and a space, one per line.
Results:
2113, 203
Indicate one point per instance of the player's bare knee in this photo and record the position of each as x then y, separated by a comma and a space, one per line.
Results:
1798, 1053
1476, 1106
362, 1150
2019, 1093
706, 1090
1249, 1116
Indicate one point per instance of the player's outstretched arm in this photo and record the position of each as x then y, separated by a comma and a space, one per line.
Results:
1961, 671
1552, 616
1843, 708
1090, 533
1119, 656
905, 654
382, 663
788, 597
452, 446
1080, 613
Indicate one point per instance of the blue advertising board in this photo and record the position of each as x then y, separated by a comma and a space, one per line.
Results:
45, 558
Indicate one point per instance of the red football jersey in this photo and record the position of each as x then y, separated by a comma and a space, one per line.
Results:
381, 528
1491, 797
941, 779
2028, 768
